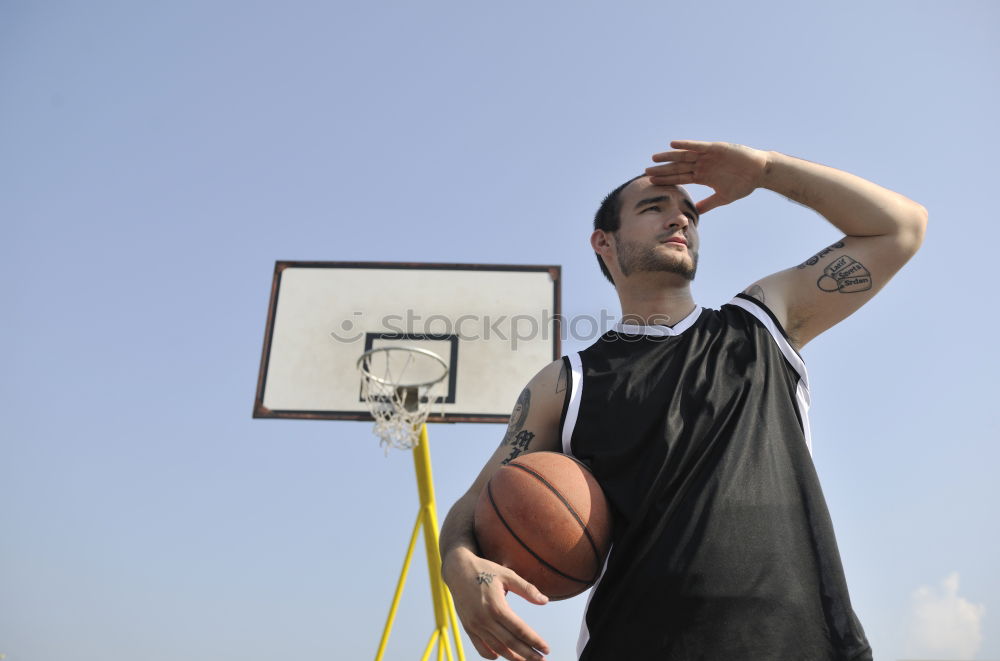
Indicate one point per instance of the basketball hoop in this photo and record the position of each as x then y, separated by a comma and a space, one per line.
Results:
399, 384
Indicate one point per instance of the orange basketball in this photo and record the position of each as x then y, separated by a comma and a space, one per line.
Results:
544, 516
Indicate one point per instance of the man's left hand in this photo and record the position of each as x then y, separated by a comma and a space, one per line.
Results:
731, 171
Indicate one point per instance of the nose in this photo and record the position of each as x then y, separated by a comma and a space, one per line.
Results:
678, 219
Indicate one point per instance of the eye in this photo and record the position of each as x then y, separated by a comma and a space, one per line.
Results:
657, 209
691, 217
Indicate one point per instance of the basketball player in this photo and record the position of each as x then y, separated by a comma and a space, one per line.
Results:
694, 421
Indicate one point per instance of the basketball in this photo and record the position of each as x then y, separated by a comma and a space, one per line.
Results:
544, 516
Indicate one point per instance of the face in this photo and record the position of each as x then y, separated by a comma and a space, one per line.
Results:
658, 232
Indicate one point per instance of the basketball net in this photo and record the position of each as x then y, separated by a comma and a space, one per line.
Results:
400, 386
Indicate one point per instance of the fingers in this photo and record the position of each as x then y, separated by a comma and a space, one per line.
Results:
673, 174
677, 172
670, 168
672, 179
678, 169
676, 156
523, 588
502, 632
484, 650
523, 636
709, 203
514, 652
689, 151
492, 640
693, 145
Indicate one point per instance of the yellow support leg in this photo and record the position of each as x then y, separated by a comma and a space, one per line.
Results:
456, 632
444, 609
399, 589
430, 645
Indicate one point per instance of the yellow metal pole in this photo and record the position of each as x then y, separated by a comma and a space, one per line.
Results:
444, 609
399, 587
446, 644
430, 645
455, 631
425, 484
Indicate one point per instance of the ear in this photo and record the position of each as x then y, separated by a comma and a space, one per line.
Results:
601, 241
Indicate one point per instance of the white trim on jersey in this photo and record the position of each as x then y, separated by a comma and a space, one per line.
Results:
569, 424
584, 638
794, 359
573, 408
660, 331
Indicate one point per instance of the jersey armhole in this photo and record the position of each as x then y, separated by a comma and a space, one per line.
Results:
571, 405
770, 323
774, 319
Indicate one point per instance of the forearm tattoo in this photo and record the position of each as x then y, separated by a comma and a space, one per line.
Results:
517, 437
822, 253
845, 275
485, 578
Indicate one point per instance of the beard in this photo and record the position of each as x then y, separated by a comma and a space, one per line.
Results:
638, 258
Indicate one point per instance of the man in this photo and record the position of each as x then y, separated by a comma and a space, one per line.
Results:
695, 423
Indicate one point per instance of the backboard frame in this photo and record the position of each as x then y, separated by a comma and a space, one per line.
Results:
261, 411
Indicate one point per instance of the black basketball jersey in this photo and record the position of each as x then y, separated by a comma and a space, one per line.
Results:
723, 547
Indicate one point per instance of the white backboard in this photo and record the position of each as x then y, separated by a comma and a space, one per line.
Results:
494, 326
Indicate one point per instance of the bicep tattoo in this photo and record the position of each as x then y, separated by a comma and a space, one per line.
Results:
518, 417
520, 445
517, 437
845, 275
822, 253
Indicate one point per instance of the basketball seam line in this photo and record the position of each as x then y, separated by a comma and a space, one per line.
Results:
593, 545
489, 489
583, 526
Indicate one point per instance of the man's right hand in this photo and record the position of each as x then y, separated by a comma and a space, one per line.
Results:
479, 588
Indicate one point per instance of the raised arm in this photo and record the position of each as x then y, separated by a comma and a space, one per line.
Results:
479, 586
882, 229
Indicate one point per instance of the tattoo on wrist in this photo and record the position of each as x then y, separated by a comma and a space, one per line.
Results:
822, 253
485, 578
845, 275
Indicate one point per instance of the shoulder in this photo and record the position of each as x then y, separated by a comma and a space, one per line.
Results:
546, 391
550, 374
759, 318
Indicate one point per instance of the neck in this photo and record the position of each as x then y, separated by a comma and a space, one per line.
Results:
663, 304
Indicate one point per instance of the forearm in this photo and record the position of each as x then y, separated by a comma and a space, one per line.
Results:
856, 206
458, 529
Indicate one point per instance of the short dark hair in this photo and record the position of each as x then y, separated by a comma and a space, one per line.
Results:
608, 218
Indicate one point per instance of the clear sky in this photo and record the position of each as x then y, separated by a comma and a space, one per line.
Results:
157, 158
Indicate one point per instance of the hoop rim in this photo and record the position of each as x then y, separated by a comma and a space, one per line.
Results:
362, 367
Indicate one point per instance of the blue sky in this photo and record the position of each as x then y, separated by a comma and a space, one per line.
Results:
157, 158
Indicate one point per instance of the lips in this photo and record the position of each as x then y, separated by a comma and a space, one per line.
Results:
676, 239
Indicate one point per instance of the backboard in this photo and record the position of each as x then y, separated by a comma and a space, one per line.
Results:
495, 326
